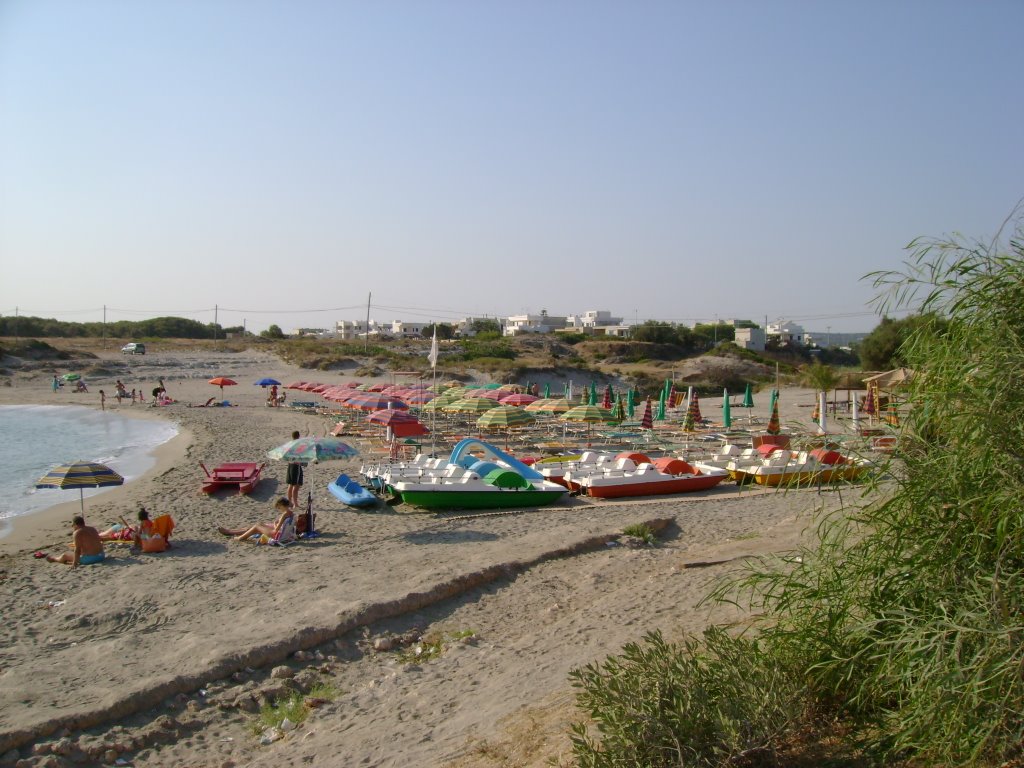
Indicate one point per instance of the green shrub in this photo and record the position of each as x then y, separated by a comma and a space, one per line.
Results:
640, 531
695, 704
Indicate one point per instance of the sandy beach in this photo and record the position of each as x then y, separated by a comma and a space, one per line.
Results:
161, 660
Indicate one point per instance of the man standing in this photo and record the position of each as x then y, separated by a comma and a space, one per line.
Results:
88, 547
294, 479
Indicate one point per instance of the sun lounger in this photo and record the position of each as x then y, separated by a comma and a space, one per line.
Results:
244, 474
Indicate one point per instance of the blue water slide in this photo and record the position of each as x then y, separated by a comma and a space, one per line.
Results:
463, 447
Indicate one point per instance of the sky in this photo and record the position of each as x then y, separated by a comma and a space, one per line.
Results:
267, 162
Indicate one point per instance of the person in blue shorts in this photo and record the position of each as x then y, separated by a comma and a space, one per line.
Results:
88, 547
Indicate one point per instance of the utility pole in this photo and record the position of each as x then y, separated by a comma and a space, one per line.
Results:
829, 336
366, 342
104, 333
215, 308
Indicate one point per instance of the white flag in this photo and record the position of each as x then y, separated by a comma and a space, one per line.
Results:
432, 357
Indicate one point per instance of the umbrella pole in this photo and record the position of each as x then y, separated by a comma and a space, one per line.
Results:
81, 500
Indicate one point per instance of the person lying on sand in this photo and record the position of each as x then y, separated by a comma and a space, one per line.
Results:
88, 547
126, 532
283, 529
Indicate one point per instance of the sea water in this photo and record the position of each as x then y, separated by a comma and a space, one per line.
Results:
37, 438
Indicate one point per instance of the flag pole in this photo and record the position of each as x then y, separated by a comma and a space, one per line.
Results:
432, 357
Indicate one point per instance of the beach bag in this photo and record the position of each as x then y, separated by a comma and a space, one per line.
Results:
154, 543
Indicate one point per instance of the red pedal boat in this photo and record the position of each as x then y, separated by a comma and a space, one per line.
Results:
244, 474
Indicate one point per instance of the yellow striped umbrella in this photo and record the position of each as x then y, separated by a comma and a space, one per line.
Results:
80, 475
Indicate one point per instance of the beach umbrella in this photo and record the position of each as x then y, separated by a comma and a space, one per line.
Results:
870, 402
693, 416
267, 382
620, 410
310, 449
504, 417
419, 398
774, 427
588, 414
518, 398
606, 401
748, 397
556, 405
726, 413
592, 398
374, 401
547, 390
660, 416
389, 416
470, 405
222, 381
80, 475
71, 377
630, 402
892, 415
646, 421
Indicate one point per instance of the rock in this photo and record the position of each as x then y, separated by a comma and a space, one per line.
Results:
270, 736
41, 748
384, 643
63, 747
194, 706
271, 692
247, 703
228, 764
10, 757
167, 723
282, 673
50, 761
110, 755
315, 702
306, 679
287, 725
318, 656
238, 677
300, 656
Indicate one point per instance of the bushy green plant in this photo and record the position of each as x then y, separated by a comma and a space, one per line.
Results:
640, 531
906, 618
699, 703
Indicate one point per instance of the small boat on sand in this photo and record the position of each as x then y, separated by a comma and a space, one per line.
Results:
243, 474
628, 478
490, 480
348, 491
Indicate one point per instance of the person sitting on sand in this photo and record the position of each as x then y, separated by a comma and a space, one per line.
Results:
283, 529
125, 532
88, 547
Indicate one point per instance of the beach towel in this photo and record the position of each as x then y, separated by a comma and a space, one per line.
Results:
158, 538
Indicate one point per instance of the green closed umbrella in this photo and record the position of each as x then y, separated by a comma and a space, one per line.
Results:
593, 394
547, 390
726, 415
630, 402
748, 397
661, 408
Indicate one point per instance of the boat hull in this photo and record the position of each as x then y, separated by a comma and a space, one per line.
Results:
446, 499
360, 498
614, 490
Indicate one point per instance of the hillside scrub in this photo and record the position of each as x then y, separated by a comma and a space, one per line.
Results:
904, 621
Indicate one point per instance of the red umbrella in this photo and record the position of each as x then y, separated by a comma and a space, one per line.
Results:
606, 402
774, 427
390, 416
222, 381
518, 399
647, 420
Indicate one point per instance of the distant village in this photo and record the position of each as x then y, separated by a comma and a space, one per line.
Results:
597, 322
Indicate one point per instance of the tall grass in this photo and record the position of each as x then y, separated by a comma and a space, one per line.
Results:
905, 619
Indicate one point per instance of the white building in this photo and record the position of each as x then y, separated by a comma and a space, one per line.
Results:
592, 318
750, 338
542, 323
786, 332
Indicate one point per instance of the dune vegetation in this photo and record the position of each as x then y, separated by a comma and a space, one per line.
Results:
898, 636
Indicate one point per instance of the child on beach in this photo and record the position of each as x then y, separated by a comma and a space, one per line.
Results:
103, 400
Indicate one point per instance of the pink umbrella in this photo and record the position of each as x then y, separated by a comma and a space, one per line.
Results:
518, 399
647, 420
